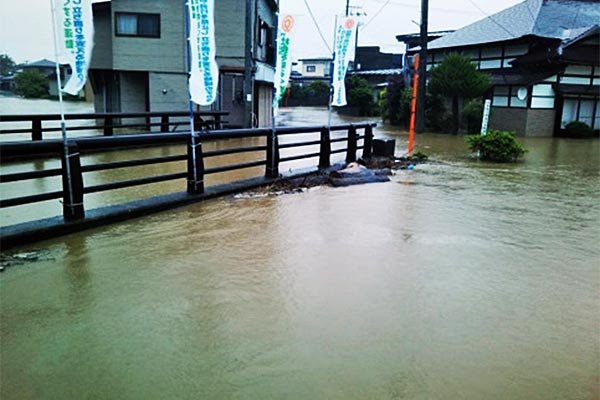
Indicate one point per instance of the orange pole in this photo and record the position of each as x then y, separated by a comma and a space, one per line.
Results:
413, 108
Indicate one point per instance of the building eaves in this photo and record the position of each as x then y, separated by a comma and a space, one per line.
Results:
388, 71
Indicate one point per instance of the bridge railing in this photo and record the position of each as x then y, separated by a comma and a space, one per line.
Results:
109, 123
74, 190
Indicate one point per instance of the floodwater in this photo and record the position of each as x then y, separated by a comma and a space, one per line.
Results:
458, 280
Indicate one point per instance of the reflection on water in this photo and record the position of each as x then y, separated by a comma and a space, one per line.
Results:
458, 280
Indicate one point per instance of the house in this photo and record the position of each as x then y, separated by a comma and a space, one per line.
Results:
48, 69
376, 67
140, 60
7, 83
543, 57
314, 69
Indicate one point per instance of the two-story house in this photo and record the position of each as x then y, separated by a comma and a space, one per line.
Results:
543, 57
140, 59
314, 69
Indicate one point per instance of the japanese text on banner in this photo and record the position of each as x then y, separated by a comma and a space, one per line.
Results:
76, 40
204, 71
283, 67
344, 53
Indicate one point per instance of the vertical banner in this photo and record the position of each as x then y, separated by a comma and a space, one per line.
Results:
204, 71
283, 66
344, 53
75, 30
486, 117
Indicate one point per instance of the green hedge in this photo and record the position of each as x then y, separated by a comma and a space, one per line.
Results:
497, 146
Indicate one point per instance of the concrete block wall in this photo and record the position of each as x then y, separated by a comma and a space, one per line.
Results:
165, 54
509, 119
168, 92
230, 22
540, 122
133, 89
103, 32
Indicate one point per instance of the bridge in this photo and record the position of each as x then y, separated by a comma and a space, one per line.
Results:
274, 150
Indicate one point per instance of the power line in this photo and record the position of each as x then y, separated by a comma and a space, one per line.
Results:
376, 14
416, 7
492, 19
317, 26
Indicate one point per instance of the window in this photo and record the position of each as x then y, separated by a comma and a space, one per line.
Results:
583, 109
266, 42
501, 96
508, 96
490, 64
311, 68
578, 75
138, 25
542, 96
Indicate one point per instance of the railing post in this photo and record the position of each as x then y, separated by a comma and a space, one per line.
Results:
164, 123
36, 129
368, 142
218, 123
73, 208
197, 122
272, 170
351, 151
325, 150
195, 180
108, 125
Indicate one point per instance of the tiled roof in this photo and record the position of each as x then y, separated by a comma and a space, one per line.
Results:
45, 63
389, 71
557, 19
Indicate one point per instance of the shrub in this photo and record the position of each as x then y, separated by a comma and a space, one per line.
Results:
497, 146
318, 89
578, 129
472, 116
32, 84
359, 94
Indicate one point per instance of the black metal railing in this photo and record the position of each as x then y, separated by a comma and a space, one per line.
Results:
166, 121
74, 190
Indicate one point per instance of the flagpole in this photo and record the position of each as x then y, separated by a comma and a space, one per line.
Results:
335, 26
191, 103
63, 124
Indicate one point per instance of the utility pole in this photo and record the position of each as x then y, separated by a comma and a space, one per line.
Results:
249, 65
420, 128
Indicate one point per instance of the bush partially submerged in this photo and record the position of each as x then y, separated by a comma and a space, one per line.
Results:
578, 129
497, 146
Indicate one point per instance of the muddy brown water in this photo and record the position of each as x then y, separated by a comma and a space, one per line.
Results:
458, 280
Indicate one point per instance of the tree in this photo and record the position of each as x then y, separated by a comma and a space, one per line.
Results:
32, 84
359, 94
394, 101
456, 77
7, 65
473, 116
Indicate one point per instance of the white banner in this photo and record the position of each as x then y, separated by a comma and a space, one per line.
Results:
344, 53
486, 117
283, 67
75, 32
204, 71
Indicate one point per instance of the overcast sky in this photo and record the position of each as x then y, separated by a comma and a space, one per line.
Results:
26, 30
